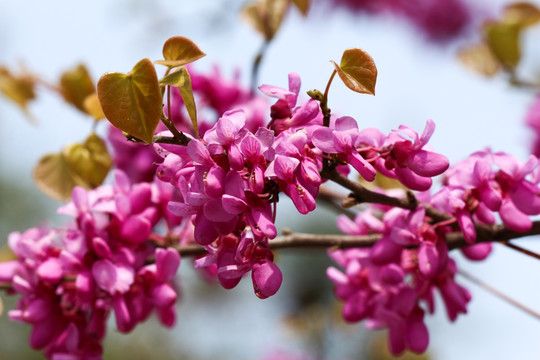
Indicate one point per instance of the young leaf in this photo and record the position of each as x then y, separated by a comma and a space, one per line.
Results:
20, 89
503, 40
83, 165
266, 16
132, 102
302, 5
90, 161
76, 85
178, 51
54, 177
480, 58
522, 14
358, 71
92, 107
182, 80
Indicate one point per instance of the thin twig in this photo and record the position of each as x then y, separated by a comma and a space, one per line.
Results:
498, 293
521, 250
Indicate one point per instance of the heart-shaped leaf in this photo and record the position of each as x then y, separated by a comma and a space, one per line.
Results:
20, 89
92, 107
302, 5
480, 58
182, 80
178, 51
266, 16
90, 161
503, 40
76, 85
54, 177
83, 165
358, 71
522, 13
132, 102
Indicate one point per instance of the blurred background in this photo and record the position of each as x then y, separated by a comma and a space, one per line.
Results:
420, 78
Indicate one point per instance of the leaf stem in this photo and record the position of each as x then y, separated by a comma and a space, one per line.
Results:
256, 66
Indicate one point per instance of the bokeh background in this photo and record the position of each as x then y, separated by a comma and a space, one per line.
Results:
418, 79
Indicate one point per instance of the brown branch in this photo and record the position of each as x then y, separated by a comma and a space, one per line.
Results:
335, 201
362, 194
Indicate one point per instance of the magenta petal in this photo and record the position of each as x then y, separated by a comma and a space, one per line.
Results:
362, 166
124, 322
204, 232
417, 336
234, 205
50, 270
412, 180
385, 251
136, 229
526, 198
428, 259
213, 182
263, 219
467, 226
43, 333
323, 138
163, 295
167, 263
214, 211
37, 310
427, 163
266, 278
513, 218
477, 251
7, 270
167, 315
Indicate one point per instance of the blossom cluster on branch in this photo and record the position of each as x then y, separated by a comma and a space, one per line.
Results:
203, 174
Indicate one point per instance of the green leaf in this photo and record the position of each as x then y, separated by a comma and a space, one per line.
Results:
503, 39
178, 51
480, 58
76, 85
90, 161
358, 71
182, 80
84, 165
19, 89
266, 16
132, 102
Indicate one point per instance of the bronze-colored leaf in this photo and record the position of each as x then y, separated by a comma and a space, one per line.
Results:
19, 89
83, 165
90, 161
178, 51
54, 177
480, 58
522, 14
302, 5
358, 71
76, 85
503, 40
182, 80
132, 102
92, 107
266, 16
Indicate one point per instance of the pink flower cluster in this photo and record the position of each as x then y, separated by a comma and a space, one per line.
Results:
439, 20
392, 284
71, 279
